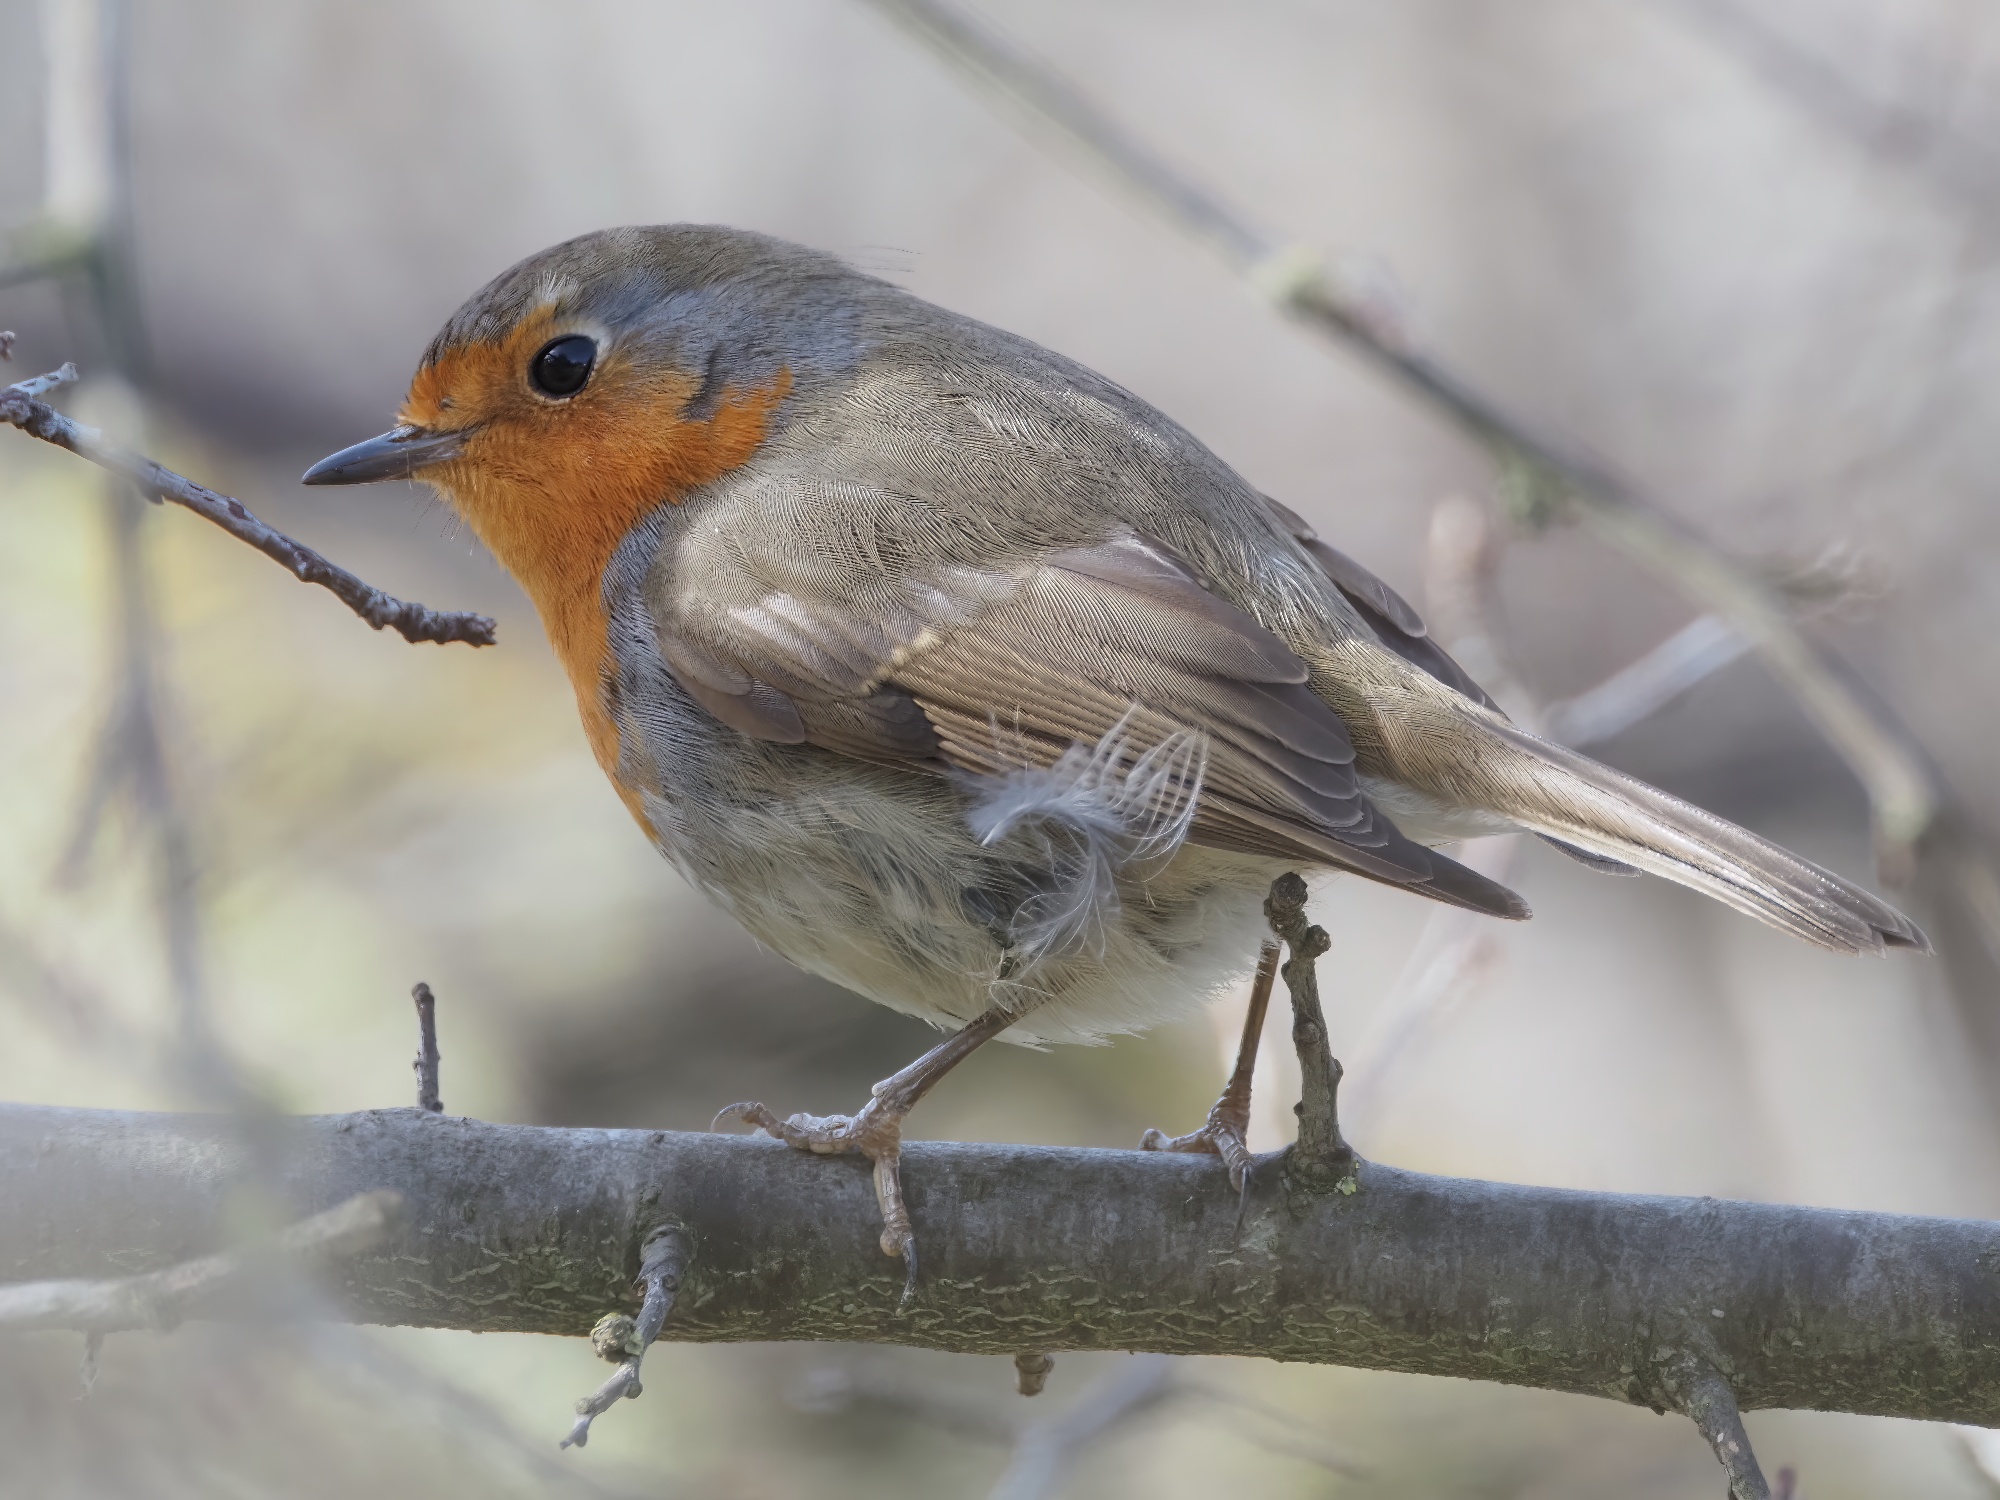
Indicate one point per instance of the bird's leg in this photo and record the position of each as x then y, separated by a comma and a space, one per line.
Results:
876, 1130
1226, 1132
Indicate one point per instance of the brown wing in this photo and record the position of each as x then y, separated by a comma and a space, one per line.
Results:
989, 672
1395, 623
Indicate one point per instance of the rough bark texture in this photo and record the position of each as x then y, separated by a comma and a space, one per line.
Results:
524, 1228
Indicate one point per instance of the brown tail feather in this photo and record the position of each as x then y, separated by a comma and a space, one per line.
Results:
1569, 797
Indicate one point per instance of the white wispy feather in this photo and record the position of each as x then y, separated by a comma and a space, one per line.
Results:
1095, 813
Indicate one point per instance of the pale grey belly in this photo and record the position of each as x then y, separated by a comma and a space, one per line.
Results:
872, 878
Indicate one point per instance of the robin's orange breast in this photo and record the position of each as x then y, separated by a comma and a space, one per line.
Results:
554, 488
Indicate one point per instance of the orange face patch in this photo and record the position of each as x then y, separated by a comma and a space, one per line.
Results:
553, 487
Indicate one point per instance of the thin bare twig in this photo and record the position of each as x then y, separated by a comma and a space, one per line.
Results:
833, 1389
162, 1299
471, 1419
1700, 1391
1541, 478
426, 1065
1455, 957
663, 1259
1637, 691
1320, 1161
1043, 1448
1046, 1447
20, 407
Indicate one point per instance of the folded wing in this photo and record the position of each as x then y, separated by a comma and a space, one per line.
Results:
1117, 643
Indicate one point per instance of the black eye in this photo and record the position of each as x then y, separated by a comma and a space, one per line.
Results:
563, 366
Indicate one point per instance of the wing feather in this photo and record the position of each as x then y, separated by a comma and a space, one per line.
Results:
988, 672
1396, 624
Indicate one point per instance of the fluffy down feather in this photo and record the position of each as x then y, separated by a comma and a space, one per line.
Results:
1099, 814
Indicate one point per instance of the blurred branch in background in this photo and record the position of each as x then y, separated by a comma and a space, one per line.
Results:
69, 1007
1921, 833
232, 1284
83, 241
1044, 1449
1921, 141
1458, 953
1641, 688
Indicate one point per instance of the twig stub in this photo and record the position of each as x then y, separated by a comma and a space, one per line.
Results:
426, 1064
1031, 1372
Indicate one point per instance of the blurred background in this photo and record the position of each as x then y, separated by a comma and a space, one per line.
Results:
1742, 251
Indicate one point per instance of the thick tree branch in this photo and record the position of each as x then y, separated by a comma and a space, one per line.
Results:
20, 407
517, 1227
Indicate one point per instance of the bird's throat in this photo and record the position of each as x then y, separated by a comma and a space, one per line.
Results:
555, 505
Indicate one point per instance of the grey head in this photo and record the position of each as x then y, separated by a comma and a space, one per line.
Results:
678, 313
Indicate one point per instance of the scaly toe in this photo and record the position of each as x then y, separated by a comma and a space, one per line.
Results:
1223, 1137
876, 1132
828, 1135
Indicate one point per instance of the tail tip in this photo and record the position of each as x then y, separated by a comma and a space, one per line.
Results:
1907, 935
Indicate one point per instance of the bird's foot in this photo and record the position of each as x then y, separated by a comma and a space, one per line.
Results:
876, 1132
1227, 1130
1224, 1134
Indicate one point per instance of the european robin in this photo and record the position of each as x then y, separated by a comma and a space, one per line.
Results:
962, 676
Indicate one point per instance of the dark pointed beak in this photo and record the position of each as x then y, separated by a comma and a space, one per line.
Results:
399, 453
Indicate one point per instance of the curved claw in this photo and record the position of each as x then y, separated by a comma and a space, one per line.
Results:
749, 1112
909, 1273
1243, 1192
